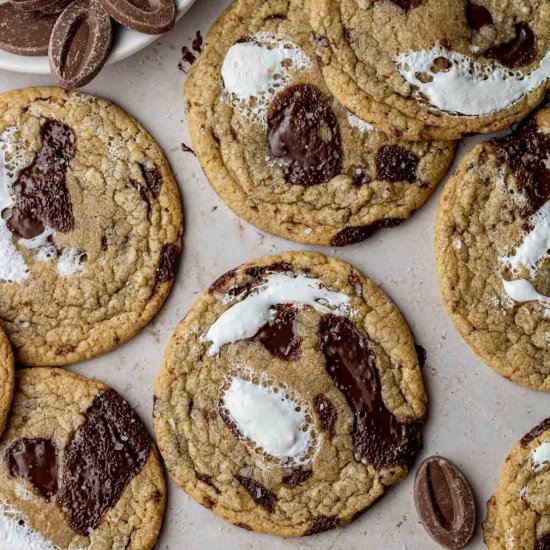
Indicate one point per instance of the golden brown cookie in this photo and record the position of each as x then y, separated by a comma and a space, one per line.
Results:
290, 398
280, 150
6, 379
518, 514
77, 468
493, 251
435, 69
91, 225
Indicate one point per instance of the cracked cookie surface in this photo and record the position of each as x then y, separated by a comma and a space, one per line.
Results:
91, 225
77, 468
433, 69
518, 515
493, 255
6, 379
280, 150
290, 398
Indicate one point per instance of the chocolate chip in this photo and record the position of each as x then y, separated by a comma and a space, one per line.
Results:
360, 175
525, 151
280, 334
25, 33
207, 480
544, 426
519, 51
477, 16
146, 16
408, 4
326, 413
322, 524
260, 495
166, 270
36, 461
378, 436
543, 542
303, 131
352, 235
41, 195
222, 281
297, 477
444, 502
108, 450
395, 163
80, 43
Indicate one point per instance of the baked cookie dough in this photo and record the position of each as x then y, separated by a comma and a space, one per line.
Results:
77, 468
6, 379
493, 251
90, 226
518, 514
280, 150
290, 398
435, 69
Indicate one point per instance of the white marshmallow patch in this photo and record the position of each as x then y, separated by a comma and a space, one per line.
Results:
467, 87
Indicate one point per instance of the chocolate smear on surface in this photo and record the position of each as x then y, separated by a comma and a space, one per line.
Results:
25, 33
104, 454
519, 51
36, 461
395, 163
444, 502
477, 16
303, 131
259, 494
41, 195
356, 234
543, 542
322, 524
297, 477
280, 334
525, 151
166, 270
378, 436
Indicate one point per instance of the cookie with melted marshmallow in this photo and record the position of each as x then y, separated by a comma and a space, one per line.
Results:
290, 398
435, 69
280, 150
90, 225
493, 251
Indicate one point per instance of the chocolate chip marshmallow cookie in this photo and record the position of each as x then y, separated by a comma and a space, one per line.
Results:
290, 398
280, 150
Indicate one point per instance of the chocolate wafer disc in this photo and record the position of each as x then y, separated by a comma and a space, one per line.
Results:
80, 43
33, 5
57, 7
25, 33
146, 16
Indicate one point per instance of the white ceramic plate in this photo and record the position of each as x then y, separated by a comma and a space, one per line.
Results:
125, 44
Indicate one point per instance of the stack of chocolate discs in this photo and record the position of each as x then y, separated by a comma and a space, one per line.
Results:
76, 34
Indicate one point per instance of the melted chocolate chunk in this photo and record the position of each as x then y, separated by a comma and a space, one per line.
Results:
153, 178
360, 175
519, 51
378, 436
525, 152
222, 281
543, 542
326, 412
197, 42
108, 450
477, 16
41, 195
166, 269
303, 130
260, 495
408, 4
297, 477
280, 334
35, 460
395, 163
258, 272
322, 524
352, 235
421, 353
207, 480
544, 426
